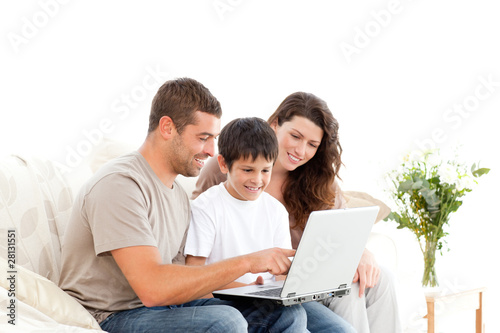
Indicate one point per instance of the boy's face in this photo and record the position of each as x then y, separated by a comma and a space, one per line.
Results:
247, 178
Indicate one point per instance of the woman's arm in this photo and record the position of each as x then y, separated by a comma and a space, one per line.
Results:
367, 273
210, 175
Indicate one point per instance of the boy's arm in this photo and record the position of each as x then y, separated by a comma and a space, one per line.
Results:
282, 237
195, 261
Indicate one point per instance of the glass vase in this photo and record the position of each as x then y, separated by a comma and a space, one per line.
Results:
429, 278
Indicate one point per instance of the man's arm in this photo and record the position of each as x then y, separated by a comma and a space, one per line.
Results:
197, 261
157, 284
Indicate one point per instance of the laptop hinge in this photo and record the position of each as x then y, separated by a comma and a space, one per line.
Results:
291, 294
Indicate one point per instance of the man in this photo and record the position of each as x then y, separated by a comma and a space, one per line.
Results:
128, 229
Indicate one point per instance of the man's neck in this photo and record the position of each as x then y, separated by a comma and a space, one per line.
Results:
153, 154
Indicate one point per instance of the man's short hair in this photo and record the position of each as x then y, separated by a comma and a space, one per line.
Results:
179, 99
244, 137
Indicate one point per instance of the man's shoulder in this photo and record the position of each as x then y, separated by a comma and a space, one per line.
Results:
124, 168
125, 164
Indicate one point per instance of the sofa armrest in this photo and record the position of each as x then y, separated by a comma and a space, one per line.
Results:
384, 248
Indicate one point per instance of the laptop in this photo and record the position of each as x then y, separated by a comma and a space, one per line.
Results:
325, 261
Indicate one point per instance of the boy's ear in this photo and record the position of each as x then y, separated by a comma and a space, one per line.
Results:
222, 164
166, 127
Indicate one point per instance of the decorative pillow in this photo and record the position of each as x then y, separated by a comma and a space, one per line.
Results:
107, 150
362, 199
45, 296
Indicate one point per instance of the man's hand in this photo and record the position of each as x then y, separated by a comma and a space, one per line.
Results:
368, 272
274, 261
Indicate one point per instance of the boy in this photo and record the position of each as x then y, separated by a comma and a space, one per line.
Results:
237, 217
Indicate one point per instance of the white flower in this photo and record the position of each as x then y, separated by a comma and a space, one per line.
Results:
447, 174
433, 160
465, 181
414, 156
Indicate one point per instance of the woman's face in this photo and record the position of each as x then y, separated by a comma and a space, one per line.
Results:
298, 141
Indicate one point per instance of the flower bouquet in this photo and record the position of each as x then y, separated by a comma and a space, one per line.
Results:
426, 191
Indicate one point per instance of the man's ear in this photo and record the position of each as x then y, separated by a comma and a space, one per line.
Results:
166, 127
222, 164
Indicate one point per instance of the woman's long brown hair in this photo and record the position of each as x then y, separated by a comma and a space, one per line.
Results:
309, 187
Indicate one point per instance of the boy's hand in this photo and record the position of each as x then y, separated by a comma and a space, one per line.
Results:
274, 261
259, 281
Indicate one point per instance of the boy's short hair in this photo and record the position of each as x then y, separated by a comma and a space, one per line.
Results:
244, 137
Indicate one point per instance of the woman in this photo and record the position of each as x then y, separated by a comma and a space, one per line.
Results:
304, 180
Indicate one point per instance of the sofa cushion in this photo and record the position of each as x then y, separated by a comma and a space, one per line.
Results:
362, 199
36, 201
43, 295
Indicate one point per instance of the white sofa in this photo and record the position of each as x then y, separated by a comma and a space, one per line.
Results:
36, 201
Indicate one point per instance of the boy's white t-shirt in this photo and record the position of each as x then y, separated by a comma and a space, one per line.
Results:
223, 227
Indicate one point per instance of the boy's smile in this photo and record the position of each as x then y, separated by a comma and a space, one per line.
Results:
247, 178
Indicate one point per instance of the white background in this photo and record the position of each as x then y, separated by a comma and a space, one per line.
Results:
392, 73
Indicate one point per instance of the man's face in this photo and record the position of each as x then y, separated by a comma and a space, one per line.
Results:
247, 178
195, 145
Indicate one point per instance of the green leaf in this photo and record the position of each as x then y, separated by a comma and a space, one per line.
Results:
480, 172
417, 185
405, 186
393, 216
434, 180
430, 197
454, 207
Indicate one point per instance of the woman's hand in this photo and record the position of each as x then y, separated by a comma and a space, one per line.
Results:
368, 272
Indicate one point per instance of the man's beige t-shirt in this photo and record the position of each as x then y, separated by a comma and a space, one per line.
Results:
124, 204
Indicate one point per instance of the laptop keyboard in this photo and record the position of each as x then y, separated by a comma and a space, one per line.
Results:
273, 292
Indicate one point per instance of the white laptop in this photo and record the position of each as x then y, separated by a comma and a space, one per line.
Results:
325, 262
